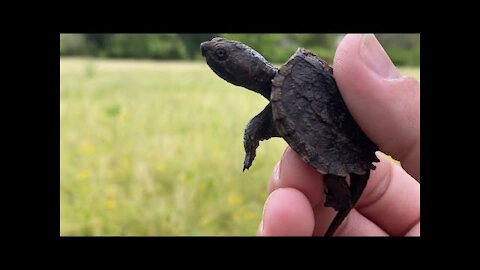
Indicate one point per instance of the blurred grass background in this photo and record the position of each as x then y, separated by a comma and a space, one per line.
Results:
155, 148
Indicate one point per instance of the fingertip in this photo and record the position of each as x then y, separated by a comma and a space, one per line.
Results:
296, 173
287, 212
346, 50
274, 179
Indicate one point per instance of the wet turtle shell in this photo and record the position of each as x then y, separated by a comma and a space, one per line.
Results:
311, 116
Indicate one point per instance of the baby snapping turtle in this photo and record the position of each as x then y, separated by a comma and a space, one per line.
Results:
307, 110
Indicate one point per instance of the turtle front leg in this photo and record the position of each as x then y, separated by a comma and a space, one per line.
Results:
260, 128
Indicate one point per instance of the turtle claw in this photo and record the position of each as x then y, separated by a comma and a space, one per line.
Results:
250, 153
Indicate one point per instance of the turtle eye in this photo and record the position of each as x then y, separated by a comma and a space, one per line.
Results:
221, 53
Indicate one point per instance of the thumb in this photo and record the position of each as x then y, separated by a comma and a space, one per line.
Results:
385, 105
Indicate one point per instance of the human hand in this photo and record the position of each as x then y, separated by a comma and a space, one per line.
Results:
387, 108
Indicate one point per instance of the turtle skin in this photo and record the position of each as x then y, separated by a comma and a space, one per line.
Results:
306, 109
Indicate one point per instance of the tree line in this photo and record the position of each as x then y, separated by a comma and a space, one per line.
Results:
404, 49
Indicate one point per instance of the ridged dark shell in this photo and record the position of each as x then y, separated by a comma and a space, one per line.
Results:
311, 116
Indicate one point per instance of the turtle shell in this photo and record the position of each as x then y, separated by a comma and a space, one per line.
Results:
310, 114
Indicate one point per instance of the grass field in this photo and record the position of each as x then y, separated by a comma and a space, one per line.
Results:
155, 148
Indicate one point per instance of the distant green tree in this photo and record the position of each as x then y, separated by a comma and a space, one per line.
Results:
404, 49
192, 43
161, 46
97, 43
321, 44
73, 44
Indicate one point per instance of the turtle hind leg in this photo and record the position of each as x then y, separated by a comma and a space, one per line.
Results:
357, 185
337, 196
260, 128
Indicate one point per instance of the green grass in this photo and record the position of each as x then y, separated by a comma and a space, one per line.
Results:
155, 148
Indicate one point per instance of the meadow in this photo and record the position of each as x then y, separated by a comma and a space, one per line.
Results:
155, 148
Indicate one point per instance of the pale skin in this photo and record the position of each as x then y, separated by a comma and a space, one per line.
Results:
386, 105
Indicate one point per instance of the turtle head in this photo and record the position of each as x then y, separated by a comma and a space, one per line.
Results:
239, 64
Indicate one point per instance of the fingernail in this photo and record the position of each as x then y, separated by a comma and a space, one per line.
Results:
376, 58
276, 172
262, 225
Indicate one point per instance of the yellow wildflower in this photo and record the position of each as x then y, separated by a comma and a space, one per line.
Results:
234, 199
250, 215
87, 148
110, 203
84, 175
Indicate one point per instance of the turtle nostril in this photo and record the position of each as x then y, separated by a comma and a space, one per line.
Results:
202, 48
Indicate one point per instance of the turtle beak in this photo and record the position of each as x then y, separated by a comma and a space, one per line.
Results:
203, 47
